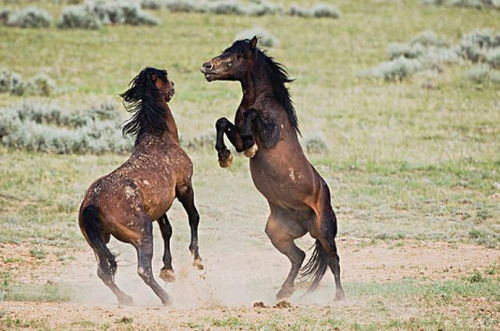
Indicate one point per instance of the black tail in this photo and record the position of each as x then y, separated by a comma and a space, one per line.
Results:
316, 267
92, 227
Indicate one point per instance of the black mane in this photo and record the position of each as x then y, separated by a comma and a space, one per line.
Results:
141, 99
277, 74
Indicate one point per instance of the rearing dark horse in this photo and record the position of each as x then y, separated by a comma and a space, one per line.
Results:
266, 130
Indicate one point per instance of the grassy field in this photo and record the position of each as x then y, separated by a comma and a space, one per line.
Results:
404, 162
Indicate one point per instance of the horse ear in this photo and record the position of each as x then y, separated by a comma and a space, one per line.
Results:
253, 43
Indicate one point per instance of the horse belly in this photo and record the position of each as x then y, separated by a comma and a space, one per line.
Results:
288, 186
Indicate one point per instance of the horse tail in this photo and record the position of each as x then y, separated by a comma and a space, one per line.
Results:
316, 267
93, 228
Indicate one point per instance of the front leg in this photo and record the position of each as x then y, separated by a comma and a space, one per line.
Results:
267, 130
223, 125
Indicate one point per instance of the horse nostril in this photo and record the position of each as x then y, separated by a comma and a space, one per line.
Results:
208, 65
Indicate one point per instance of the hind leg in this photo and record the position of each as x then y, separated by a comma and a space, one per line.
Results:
324, 230
144, 249
186, 197
282, 237
167, 272
106, 273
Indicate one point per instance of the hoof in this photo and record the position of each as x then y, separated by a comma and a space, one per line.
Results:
165, 301
125, 300
339, 295
227, 161
250, 152
284, 293
167, 275
198, 265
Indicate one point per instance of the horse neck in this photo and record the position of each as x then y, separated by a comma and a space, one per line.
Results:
255, 85
171, 133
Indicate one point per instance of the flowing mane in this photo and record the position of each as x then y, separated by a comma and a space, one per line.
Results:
277, 74
141, 99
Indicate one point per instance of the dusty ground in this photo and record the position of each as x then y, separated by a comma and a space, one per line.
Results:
229, 286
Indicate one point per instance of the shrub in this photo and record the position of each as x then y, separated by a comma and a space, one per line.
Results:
93, 14
30, 17
47, 128
187, 6
475, 45
203, 141
477, 4
483, 73
493, 57
4, 16
316, 144
78, 17
261, 7
152, 4
395, 70
227, 7
265, 38
11, 82
41, 84
296, 10
325, 10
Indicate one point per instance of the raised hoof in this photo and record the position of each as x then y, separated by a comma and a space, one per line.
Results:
167, 275
125, 300
250, 152
339, 295
284, 293
226, 160
198, 265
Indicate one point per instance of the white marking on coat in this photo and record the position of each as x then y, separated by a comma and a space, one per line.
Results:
292, 173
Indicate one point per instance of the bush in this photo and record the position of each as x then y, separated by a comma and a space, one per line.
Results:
41, 84
152, 4
30, 17
78, 17
93, 14
395, 70
265, 38
296, 10
483, 73
47, 128
477, 4
187, 6
316, 144
475, 45
4, 16
11, 82
227, 7
261, 8
325, 10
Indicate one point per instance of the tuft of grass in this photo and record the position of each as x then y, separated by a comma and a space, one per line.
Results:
265, 38
38, 253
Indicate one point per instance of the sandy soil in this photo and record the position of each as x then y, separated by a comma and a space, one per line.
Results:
232, 281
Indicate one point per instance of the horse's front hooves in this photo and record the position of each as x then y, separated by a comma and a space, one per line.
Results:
250, 152
339, 295
198, 265
167, 275
226, 160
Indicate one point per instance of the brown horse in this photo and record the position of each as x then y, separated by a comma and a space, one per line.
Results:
265, 128
127, 201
